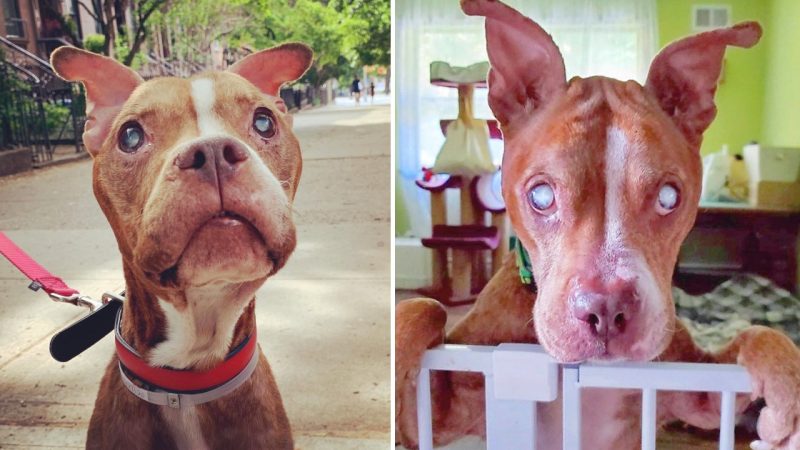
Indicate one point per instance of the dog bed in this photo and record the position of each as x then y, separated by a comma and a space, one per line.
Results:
716, 317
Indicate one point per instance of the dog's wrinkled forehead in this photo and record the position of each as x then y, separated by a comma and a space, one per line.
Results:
598, 122
605, 148
204, 105
110, 87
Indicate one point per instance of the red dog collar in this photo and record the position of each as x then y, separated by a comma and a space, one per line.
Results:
226, 376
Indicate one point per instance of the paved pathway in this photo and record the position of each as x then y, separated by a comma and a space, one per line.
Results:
323, 320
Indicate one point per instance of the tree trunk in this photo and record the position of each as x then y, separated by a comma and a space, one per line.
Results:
387, 88
137, 44
109, 30
144, 11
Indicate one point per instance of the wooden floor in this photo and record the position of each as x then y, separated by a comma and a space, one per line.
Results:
678, 440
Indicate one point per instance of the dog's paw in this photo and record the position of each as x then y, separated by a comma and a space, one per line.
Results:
419, 325
773, 362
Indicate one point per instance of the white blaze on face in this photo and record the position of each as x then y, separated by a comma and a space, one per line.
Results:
203, 97
616, 157
624, 262
209, 124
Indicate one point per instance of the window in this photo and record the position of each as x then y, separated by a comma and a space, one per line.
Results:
596, 37
15, 27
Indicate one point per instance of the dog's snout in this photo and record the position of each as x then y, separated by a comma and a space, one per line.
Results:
605, 312
211, 157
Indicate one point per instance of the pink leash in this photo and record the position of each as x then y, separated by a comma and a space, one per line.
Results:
73, 340
39, 276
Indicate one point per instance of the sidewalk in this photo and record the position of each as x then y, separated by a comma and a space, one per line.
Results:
379, 99
323, 320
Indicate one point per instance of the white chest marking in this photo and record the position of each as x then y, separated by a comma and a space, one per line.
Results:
199, 334
184, 425
203, 97
203, 331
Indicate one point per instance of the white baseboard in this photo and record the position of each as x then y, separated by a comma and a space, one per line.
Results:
412, 265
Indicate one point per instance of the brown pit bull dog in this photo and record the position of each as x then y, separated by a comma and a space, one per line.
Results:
601, 180
196, 177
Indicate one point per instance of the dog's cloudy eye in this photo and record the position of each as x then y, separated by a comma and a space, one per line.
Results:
542, 197
668, 198
131, 137
263, 123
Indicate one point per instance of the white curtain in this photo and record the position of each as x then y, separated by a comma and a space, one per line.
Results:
616, 38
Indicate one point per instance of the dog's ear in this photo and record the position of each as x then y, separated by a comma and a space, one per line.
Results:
527, 68
269, 69
684, 76
108, 85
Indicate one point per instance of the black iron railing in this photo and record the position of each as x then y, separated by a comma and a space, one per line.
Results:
38, 110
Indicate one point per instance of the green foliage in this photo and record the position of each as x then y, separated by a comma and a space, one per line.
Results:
72, 27
344, 34
197, 24
94, 43
369, 28
55, 116
122, 49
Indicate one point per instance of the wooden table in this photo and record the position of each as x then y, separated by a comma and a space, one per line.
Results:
730, 238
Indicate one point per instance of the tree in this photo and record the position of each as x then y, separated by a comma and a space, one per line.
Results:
100, 12
195, 25
143, 10
110, 16
369, 31
371, 25
345, 34
315, 23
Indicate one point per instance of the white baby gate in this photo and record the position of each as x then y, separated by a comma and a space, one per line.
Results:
519, 375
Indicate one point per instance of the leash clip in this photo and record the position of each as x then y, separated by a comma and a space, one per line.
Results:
77, 300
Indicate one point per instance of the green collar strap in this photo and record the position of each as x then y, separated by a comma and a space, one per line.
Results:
523, 263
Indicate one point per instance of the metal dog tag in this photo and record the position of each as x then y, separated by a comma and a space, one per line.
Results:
76, 338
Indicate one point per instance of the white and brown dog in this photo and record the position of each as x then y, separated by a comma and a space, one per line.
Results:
601, 180
196, 177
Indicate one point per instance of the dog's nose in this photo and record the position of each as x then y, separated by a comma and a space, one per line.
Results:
605, 312
210, 157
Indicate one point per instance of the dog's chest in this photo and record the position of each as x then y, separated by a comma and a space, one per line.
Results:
609, 420
184, 427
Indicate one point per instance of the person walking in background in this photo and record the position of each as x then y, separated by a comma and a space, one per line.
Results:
355, 89
372, 92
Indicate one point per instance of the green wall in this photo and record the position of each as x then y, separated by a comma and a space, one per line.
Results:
781, 123
759, 98
401, 223
740, 96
